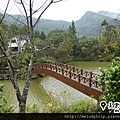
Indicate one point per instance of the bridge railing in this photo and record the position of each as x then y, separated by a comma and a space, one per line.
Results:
4, 71
79, 75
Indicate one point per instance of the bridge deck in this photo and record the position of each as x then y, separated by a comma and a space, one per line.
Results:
84, 81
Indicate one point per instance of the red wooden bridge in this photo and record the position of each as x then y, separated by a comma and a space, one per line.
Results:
84, 81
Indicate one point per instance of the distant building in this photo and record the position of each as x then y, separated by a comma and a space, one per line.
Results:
16, 44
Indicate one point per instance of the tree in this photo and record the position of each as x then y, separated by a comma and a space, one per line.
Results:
14, 30
55, 37
42, 35
111, 82
109, 41
72, 28
61, 45
64, 51
72, 33
28, 11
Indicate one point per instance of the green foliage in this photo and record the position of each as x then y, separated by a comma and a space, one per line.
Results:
39, 35
104, 23
3, 63
42, 35
2, 99
55, 37
3, 36
84, 106
46, 59
64, 51
4, 108
111, 79
72, 28
103, 48
14, 29
66, 106
62, 45
32, 109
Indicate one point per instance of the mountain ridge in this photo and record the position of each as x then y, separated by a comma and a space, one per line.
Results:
89, 24
109, 14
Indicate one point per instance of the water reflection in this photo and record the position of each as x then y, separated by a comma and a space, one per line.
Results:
42, 91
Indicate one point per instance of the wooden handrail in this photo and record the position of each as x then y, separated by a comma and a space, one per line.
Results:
80, 75
82, 80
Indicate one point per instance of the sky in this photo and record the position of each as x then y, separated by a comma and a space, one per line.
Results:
69, 10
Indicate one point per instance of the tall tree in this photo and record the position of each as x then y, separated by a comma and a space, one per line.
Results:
72, 28
64, 51
29, 9
42, 35
72, 32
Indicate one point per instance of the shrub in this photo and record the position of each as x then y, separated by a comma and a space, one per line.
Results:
32, 109
68, 106
111, 79
84, 106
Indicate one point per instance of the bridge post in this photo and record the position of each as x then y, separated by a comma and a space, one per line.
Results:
90, 79
62, 71
56, 68
79, 78
73, 69
81, 72
70, 74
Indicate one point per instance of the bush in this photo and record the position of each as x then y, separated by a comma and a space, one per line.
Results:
46, 59
32, 109
67, 106
111, 79
84, 106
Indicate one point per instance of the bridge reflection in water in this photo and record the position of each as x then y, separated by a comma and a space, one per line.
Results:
84, 81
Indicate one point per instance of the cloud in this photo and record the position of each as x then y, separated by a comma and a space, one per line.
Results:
69, 9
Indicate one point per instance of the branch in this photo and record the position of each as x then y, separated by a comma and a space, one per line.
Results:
40, 7
57, 1
31, 7
19, 8
38, 50
47, 47
42, 13
5, 12
32, 3
2, 56
16, 19
25, 13
52, 1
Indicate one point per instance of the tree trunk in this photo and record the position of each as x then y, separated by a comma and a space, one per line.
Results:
22, 103
22, 106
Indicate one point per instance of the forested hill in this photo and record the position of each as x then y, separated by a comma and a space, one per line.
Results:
45, 25
89, 24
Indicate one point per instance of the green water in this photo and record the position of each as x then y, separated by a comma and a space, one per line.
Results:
43, 90
91, 65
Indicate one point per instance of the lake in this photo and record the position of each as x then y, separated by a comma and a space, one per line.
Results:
44, 89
